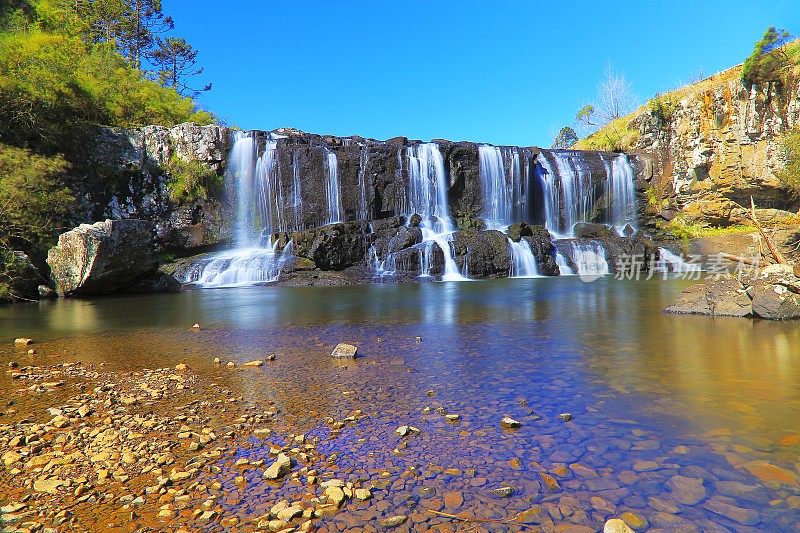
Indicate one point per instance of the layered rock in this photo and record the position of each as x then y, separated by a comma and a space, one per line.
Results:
773, 294
712, 145
106, 257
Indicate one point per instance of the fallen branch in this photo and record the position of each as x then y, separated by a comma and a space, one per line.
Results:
770, 243
739, 259
480, 520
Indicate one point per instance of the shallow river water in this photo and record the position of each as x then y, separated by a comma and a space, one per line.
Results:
658, 401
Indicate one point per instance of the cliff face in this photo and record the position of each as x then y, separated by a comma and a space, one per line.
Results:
713, 144
373, 176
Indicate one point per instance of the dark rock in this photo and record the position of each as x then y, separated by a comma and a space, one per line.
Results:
159, 283
773, 301
24, 278
482, 254
587, 230
412, 261
101, 258
723, 297
543, 250
517, 231
333, 247
416, 219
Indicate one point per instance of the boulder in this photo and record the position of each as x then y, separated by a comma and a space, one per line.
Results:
482, 254
541, 244
24, 278
773, 300
333, 247
105, 257
722, 297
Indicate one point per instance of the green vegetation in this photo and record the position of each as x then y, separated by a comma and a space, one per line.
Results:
769, 61
191, 180
616, 136
663, 107
566, 138
682, 228
789, 175
67, 66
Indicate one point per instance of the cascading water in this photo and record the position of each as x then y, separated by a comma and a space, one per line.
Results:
550, 195
427, 197
362, 183
672, 262
502, 203
332, 187
576, 183
620, 192
249, 263
523, 262
588, 257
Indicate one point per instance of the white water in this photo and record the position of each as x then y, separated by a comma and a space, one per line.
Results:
671, 262
258, 191
589, 257
332, 187
563, 266
550, 193
362, 183
427, 197
576, 181
523, 262
620, 192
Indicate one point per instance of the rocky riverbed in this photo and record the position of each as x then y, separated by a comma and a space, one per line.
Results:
133, 428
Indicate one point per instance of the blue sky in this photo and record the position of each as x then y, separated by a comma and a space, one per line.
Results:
505, 72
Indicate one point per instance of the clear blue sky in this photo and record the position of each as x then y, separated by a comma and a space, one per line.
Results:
505, 72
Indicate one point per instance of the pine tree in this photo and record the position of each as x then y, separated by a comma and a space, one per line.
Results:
176, 61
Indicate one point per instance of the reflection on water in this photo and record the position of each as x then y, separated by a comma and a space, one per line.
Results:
602, 350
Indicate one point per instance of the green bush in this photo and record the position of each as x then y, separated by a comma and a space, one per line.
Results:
615, 136
191, 180
769, 59
789, 175
663, 107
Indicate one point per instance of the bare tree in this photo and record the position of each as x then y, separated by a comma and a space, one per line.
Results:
615, 96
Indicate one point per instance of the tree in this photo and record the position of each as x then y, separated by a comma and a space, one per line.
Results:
769, 58
144, 20
176, 62
566, 138
615, 96
585, 115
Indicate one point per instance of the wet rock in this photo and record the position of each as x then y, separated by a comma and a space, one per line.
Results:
503, 492
687, 490
406, 430
615, 525
774, 301
509, 423
344, 351
770, 474
105, 257
483, 254
50, 486
254, 363
566, 417
363, 494
635, 521
181, 367
393, 521
22, 341
335, 495
740, 515
279, 468
453, 499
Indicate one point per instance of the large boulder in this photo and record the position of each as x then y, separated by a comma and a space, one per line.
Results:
482, 254
719, 297
105, 257
333, 247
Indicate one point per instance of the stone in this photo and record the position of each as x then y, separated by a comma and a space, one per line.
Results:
104, 257
636, 521
10, 457
59, 421
363, 494
720, 297
181, 367
451, 417
687, 490
453, 499
740, 515
503, 492
344, 351
335, 495
770, 474
393, 521
22, 341
254, 363
509, 423
290, 513
615, 525
279, 468
49, 486
646, 466
566, 417
406, 430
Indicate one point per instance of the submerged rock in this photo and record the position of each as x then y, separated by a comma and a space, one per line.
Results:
105, 257
615, 525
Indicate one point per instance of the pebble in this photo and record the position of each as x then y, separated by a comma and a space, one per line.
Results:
23, 341
254, 363
394, 521
566, 417
344, 351
181, 367
615, 525
279, 468
509, 423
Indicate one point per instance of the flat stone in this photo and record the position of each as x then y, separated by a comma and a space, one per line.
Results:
335, 495
23, 341
687, 490
290, 513
50, 486
635, 521
363, 494
503, 492
394, 521
771, 474
344, 351
181, 367
566, 417
279, 468
745, 517
254, 363
509, 423
646, 466
453, 499
10, 457
615, 525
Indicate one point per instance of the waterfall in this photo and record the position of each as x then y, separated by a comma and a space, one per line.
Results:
563, 266
523, 262
258, 194
576, 188
550, 195
362, 183
497, 204
332, 187
240, 173
427, 197
620, 192
671, 262
587, 257
297, 196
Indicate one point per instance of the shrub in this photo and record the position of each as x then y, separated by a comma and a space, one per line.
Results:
191, 180
789, 175
663, 107
769, 59
616, 136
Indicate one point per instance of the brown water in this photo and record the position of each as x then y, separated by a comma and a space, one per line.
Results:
652, 395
